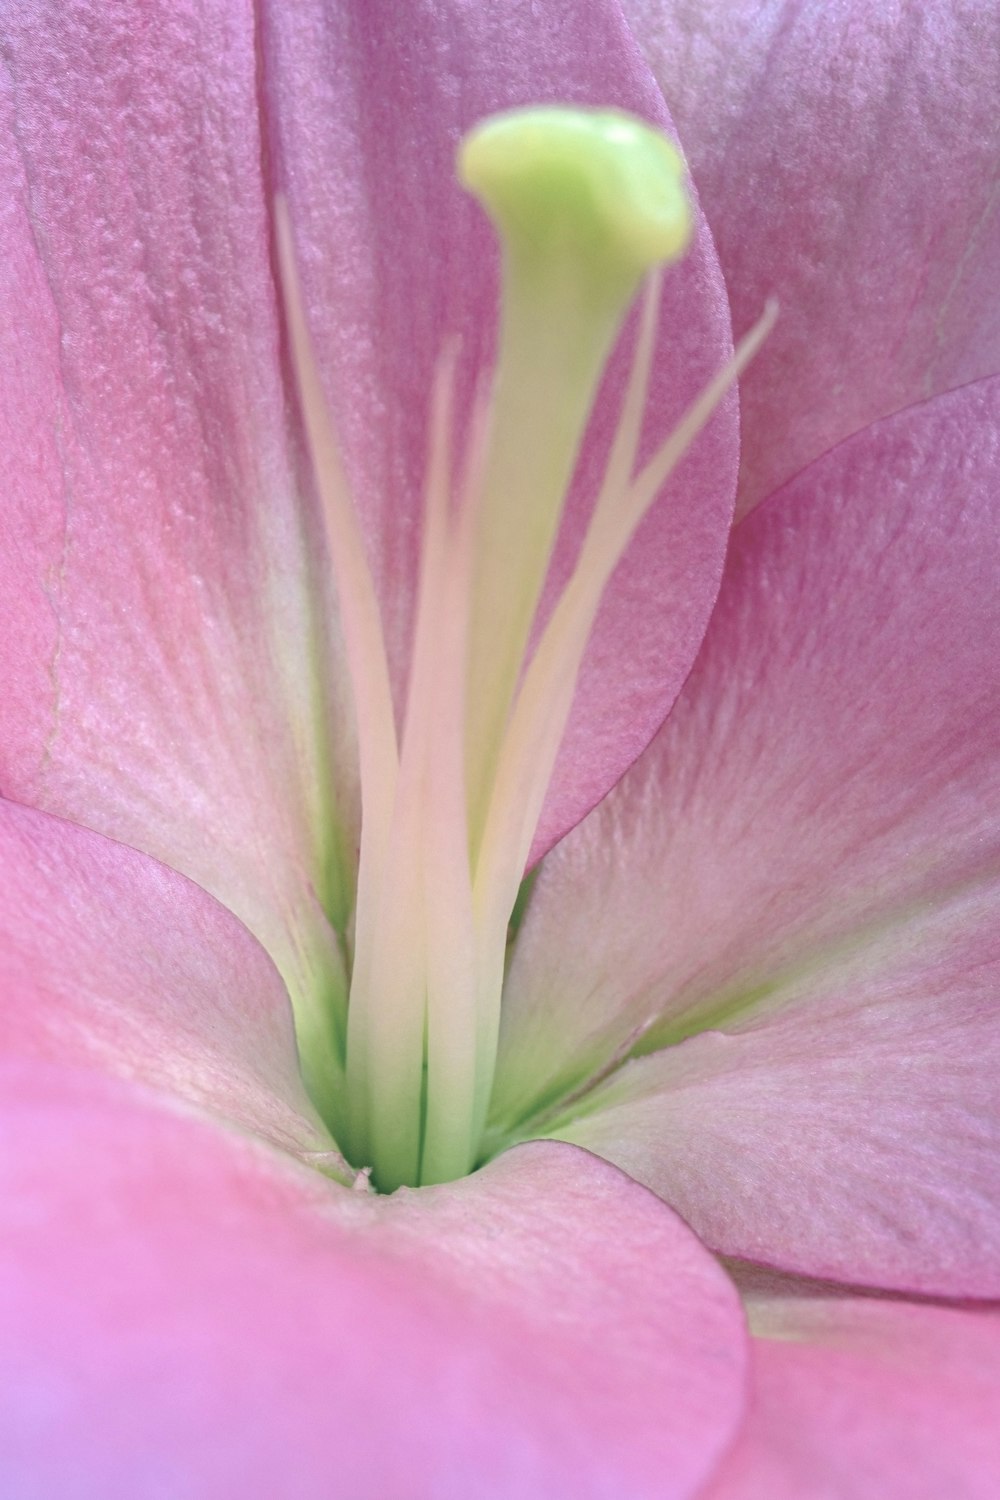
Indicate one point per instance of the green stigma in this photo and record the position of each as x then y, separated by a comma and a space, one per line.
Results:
596, 185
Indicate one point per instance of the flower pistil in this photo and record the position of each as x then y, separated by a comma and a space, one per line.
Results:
588, 206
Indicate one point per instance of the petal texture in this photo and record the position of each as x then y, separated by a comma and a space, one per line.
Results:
398, 259
110, 959
847, 159
811, 845
853, 1133
866, 1398
220, 1324
160, 658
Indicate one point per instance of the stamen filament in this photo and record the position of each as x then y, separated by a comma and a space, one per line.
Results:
647, 486
398, 966
364, 643
545, 698
452, 1022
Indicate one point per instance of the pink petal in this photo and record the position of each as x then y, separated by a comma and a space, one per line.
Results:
868, 1398
816, 826
397, 258
846, 156
111, 960
183, 1313
853, 1132
156, 637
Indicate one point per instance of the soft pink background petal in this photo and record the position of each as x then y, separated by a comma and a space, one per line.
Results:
159, 682
867, 1398
363, 121
847, 158
821, 813
110, 959
184, 1315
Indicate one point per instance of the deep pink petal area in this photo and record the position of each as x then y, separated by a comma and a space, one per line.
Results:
846, 157
112, 960
364, 122
161, 666
867, 1398
808, 856
182, 1314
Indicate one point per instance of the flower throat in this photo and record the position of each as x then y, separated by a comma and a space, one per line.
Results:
588, 205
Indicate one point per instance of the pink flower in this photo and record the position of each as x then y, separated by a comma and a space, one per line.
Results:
750, 1009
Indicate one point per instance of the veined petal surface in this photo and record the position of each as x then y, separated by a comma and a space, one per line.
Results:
222, 1323
806, 861
852, 1131
847, 157
164, 662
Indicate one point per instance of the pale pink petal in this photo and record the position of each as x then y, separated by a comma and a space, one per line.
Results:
161, 665
851, 1132
847, 159
110, 960
866, 1398
364, 119
184, 1313
819, 817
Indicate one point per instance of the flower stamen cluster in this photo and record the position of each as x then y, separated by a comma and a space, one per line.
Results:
588, 206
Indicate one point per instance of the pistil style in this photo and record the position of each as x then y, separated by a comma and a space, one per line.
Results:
587, 204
